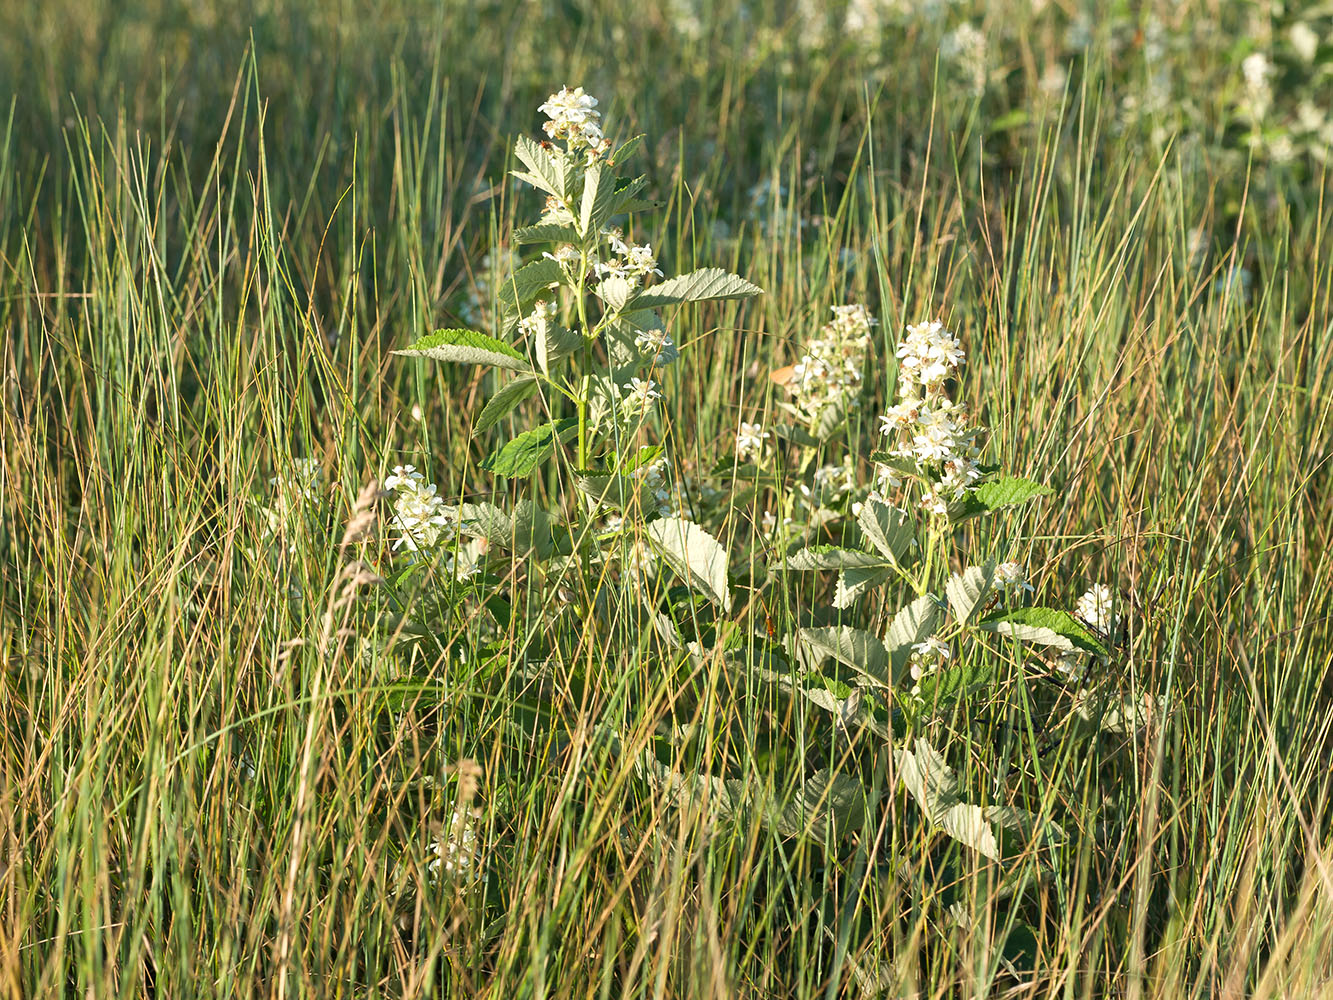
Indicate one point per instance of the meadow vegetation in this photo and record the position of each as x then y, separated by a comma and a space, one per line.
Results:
738, 498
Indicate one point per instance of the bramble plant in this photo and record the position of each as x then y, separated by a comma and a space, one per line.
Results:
580, 332
589, 338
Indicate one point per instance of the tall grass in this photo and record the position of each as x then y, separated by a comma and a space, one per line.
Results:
215, 223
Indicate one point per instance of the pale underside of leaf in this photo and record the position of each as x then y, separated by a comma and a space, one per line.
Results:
695, 555
706, 284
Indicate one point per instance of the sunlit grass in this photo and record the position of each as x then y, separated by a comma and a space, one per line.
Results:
211, 765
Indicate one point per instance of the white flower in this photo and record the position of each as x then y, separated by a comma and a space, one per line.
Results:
537, 322
928, 656
639, 396
1012, 576
572, 118
1258, 93
886, 478
300, 483
1305, 40
658, 345
965, 47
1095, 608
418, 511
928, 356
750, 441
403, 475
564, 254
456, 853
642, 261
934, 503
829, 371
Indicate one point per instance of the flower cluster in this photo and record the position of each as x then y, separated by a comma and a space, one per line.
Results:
292, 489
1096, 608
655, 484
419, 513
573, 120
927, 657
829, 374
638, 398
965, 48
927, 427
750, 441
300, 483
657, 347
1011, 576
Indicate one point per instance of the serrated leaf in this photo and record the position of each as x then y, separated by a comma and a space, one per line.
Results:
612, 489
467, 347
546, 232
528, 282
827, 799
860, 650
599, 199
887, 528
932, 784
628, 148
996, 494
624, 201
524, 453
969, 589
830, 419
695, 555
704, 285
914, 623
1031, 633
553, 343
528, 529
615, 291
549, 173
852, 583
818, 557
898, 463
1018, 621
505, 399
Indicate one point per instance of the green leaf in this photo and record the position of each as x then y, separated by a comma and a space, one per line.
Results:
548, 172
624, 200
553, 343
704, 285
995, 494
913, 623
695, 555
627, 149
615, 291
528, 282
968, 590
1021, 623
546, 232
932, 784
505, 399
855, 581
887, 528
817, 557
467, 347
826, 804
599, 194
525, 452
860, 650
613, 489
